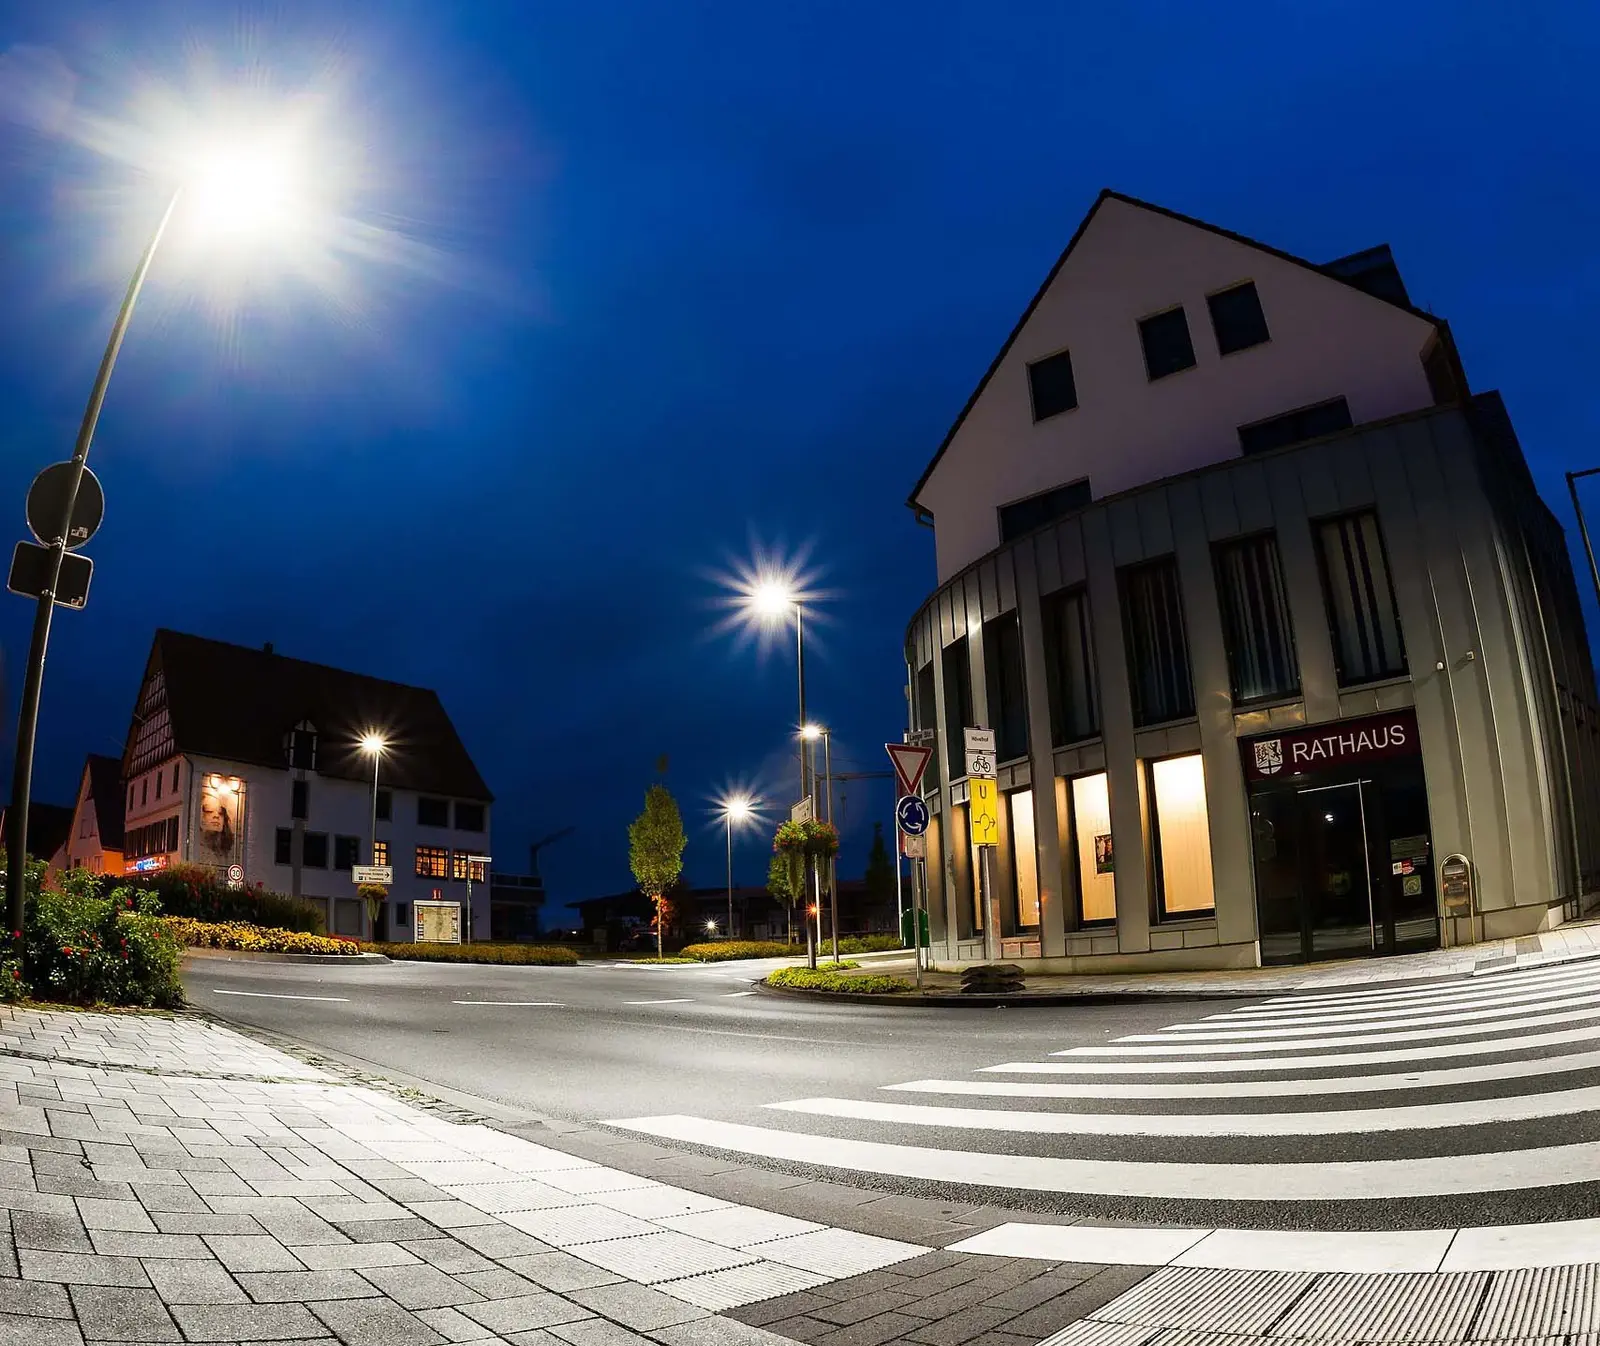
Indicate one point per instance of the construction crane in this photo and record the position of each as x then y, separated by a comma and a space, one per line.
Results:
536, 847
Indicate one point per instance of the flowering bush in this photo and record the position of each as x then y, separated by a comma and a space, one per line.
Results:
539, 955
254, 938
812, 839
201, 893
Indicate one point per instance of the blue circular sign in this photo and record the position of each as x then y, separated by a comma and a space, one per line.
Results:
912, 815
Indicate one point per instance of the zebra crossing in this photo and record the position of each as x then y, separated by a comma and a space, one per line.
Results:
1468, 1102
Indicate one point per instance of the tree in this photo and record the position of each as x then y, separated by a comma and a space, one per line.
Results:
781, 885
655, 851
880, 872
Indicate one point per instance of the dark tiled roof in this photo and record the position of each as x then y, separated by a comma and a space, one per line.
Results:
105, 788
237, 703
48, 826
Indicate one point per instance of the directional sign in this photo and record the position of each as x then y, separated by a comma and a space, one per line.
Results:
985, 813
980, 764
912, 815
910, 761
47, 505
30, 574
380, 874
801, 812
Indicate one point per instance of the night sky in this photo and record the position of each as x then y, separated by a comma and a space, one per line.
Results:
629, 290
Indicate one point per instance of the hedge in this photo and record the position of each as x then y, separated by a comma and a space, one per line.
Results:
870, 943
202, 894
524, 955
725, 950
828, 979
255, 938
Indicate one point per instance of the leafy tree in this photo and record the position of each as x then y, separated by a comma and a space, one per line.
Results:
655, 851
780, 884
880, 871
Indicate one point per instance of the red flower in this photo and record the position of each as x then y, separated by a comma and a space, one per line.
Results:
67, 950
15, 975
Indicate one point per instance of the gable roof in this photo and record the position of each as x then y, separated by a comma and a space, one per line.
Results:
1335, 270
105, 789
237, 703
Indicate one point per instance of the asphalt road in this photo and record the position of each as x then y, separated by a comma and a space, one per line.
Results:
1463, 1102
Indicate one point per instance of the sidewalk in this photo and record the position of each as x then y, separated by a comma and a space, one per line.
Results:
1579, 939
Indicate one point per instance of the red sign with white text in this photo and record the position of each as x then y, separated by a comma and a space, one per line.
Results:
1321, 747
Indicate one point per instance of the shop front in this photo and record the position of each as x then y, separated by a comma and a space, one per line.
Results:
1342, 855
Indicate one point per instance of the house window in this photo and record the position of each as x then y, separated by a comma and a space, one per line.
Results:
1295, 427
314, 850
283, 847
1167, 348
1256, 626
1091, 843
130, 796
1051, 387
1158, 649
927, 717
385, 806
461, 867
172, 834
144, 792
300, 746
1359, 594
1237, 319
1024, 858
1181, 835
1002, 665
469, 817
174, 778
1023, 516
1069, 666
160, 777
433, 812
402, 913
433, 862
345, 851
380, 852
300, 800
957, 706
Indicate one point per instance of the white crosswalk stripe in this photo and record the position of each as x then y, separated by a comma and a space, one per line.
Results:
1278, 1108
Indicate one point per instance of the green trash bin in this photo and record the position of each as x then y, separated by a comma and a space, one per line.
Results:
906, 918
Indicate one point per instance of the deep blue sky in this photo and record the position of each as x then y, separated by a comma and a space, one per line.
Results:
702, 273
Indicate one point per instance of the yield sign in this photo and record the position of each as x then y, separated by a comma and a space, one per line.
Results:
910, 761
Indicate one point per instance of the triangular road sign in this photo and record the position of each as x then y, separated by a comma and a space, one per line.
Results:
910, 761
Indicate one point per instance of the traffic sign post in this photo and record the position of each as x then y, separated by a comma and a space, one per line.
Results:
911, 814
47, 505
910, 761
30, 575
485, 861
379, 874
983, 823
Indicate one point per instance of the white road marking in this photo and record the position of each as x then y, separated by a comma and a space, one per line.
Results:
1316, 999
684, 1001
1341, 1122
1295, 1088
731, 995
272, 995
525, 1004
1136, 1044
1369, 1180
1249, 1031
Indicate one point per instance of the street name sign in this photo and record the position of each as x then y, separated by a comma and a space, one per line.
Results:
912, 815
30, 573
910, 760
382, 874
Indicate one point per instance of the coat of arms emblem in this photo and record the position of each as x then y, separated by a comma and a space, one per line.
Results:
1269, 756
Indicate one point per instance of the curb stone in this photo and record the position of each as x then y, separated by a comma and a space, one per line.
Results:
268, 956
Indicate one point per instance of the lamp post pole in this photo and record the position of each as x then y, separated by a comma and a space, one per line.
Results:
1583, 528
28, 715
727, 819
800, 667
833, 860
372, 853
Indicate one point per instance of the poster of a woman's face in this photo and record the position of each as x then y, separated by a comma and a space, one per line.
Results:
218, 835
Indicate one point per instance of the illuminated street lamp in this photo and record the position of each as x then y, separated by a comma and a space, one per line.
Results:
374, 744
736, 811
767, 598
240, 187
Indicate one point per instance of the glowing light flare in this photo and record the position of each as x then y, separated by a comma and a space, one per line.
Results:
812, 732
738, 808
236, 186
373, 743
762, 597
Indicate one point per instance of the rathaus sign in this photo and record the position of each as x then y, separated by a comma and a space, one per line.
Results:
1344, 742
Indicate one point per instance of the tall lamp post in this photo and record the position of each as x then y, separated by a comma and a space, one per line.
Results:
814, 732
374, 744
239, 185
771, 599
736, 810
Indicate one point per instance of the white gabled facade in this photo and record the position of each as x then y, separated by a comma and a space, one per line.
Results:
1130, 261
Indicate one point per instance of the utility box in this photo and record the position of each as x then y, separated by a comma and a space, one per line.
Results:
921, 918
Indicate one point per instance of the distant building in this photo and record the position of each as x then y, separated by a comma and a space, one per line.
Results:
701, 913
1266, 615
248, 762
515, 902
48, 827
94, 841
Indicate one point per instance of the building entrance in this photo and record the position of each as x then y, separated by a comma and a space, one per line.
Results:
1342, 855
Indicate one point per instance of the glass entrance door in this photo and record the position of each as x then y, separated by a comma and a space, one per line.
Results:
1337, 887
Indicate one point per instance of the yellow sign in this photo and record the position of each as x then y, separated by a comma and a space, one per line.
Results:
985, 813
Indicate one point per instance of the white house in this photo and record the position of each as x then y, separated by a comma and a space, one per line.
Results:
95, 839
251, 763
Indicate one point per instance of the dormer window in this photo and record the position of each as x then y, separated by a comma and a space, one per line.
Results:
300, 746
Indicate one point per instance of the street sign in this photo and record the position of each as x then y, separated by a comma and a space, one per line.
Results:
980, 740
912, 815
910, 761
985, 824
980, 764
30, 573
801, 812
921, 737
47, 503
236, 876
914, 847
379, 874
480, 859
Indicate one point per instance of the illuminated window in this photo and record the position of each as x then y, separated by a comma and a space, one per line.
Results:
1024, 858
1091, 827
380, 852
433, 862
459, 865
1182, 835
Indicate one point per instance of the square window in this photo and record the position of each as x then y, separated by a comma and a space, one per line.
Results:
385, 806
469, 817
314, 850
460, 866
283, 847
433, 862
433, 812
345, 851
380, 852
300, 800
1237, 319
1167, 348
1051, 387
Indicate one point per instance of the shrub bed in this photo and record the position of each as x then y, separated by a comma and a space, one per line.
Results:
523, 955
870, 943
202, 894
254, 938
726, 950
830, 979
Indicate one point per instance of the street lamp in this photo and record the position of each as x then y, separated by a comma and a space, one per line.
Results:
814, 732
238, 187
769, 600
374, 744
736, 811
